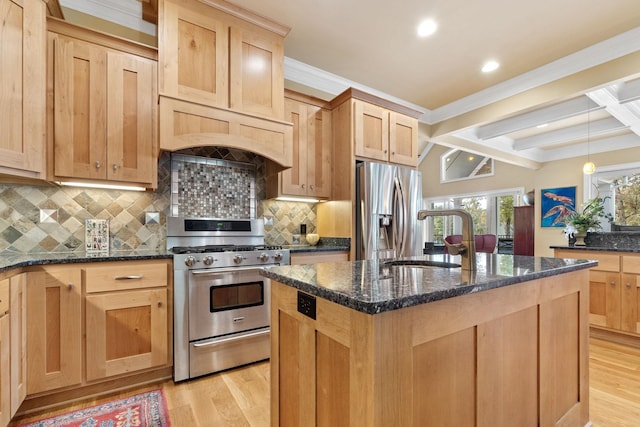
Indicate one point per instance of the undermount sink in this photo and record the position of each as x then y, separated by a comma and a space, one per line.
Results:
420, 263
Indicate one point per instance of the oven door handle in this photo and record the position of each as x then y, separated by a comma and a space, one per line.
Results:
217, 271
231, 339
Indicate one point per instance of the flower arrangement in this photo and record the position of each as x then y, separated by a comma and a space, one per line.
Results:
589, 219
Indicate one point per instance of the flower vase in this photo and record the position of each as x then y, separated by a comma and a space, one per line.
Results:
580, 235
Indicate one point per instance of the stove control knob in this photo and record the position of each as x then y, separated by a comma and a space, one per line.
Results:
189, 261
264, 257
277, 256
238, 259
208, 260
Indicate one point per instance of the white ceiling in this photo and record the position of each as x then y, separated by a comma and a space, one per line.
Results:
371, 44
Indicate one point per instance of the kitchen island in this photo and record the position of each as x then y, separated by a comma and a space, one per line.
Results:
367, 343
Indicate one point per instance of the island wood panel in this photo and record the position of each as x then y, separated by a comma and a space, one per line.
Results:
18, 311
316, 257
393, 355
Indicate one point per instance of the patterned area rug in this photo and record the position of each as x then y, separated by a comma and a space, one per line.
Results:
142, 410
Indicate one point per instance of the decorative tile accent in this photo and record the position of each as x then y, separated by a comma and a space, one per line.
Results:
20, 205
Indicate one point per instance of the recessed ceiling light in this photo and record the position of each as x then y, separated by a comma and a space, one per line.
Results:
427, 27
490, 66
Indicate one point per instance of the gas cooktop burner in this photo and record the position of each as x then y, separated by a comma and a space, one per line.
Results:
221, 248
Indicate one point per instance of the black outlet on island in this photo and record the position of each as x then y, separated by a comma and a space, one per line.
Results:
307, 305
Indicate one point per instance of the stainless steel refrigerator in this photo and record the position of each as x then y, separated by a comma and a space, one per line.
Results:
388, 198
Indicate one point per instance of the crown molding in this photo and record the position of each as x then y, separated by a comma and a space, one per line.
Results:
123, 12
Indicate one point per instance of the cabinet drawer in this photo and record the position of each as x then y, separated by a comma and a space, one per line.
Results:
631, 264
128, 275
4, 296
606, 262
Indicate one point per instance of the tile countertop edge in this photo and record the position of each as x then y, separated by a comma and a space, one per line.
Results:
366, 304
596, 249
12, 260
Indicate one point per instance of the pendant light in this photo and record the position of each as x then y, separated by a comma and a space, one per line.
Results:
589, 167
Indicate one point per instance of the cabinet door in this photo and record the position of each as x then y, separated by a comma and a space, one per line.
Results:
131, 136
294, 179
403, 139
194, 53
18, 310
126, 331
22, 85
604, 299
319, 153
54, 336
5, 370
80, 99
371, 131
630, 299
256, 58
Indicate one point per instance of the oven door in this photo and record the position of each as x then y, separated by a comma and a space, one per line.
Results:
227, 300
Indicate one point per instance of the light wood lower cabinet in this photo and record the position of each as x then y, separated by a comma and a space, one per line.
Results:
614, 287
126, 331
512, 356
54, 336
18, 311
5, 355
121, 308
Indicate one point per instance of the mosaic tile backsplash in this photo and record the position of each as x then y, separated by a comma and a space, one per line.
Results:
50, 218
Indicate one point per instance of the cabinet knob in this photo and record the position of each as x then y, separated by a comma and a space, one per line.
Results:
115, 167
302, 186
70, 286
613, 283
159, 303
385, 151
98, 165
628, 285
311, 187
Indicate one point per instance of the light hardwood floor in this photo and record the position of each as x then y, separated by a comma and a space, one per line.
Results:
240, 397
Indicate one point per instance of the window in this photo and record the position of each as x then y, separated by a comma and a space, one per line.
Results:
492, 213
456, 165
620, 185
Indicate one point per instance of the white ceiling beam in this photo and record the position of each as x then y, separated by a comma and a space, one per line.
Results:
571, 133
628, 114
563, 110
629, 91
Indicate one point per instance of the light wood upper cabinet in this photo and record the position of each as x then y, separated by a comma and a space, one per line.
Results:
103, 112
380, 130
22, 87
54, 337
310, 174
221, 56
384, 135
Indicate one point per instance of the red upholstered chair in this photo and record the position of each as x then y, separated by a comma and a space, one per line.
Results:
484, 242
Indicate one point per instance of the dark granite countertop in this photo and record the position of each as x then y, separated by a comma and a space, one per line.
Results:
9, 260
373, 287
598, 248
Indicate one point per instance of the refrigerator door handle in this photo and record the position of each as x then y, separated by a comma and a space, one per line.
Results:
400, 227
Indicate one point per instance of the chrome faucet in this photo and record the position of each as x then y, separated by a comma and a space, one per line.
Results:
467, 248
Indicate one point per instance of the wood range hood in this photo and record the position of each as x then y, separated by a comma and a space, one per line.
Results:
221, 79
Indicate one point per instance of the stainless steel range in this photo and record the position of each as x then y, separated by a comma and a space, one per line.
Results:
221, 303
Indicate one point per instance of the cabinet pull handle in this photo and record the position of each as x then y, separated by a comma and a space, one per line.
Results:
98, 165
128, 277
